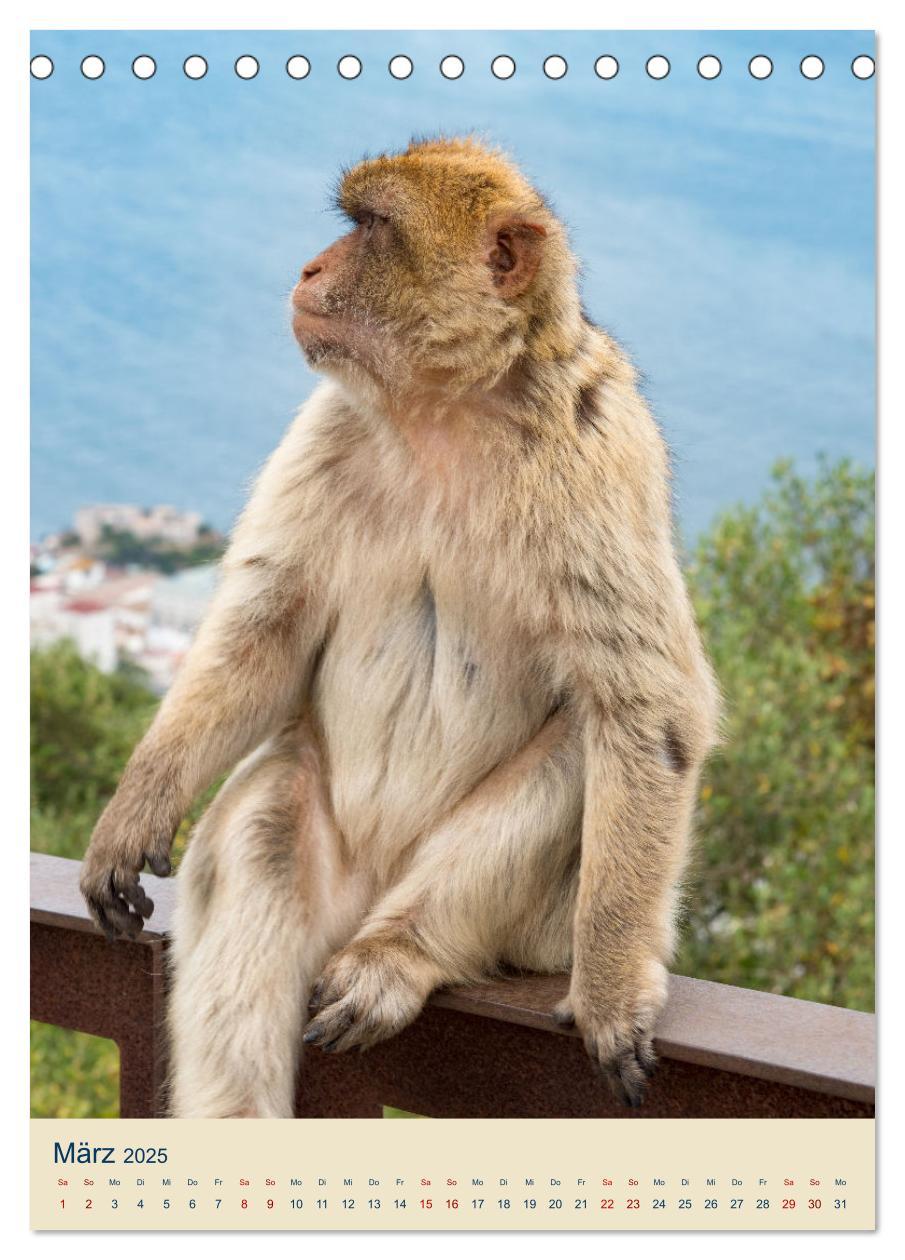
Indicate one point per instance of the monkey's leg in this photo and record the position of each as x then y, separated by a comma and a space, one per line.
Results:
263, 900
496, 880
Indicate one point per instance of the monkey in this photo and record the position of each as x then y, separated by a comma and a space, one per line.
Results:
451, 666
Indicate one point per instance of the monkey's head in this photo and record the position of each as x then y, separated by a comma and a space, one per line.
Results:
454, 270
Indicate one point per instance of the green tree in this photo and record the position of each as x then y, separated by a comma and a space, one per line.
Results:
782, 893
84, 725
120, 547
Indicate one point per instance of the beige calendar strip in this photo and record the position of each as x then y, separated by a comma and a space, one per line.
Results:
453, 1174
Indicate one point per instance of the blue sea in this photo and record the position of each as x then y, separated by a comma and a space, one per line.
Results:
726, 229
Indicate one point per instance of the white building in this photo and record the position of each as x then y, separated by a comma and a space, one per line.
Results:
106, 619
90, 625
164, 522
140, 617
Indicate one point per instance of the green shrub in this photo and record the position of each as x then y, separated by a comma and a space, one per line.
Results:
782, 893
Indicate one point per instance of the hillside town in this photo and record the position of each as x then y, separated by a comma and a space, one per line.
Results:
127, 585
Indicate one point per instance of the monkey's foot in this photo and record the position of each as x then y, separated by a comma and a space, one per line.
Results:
368, 991
619, 1042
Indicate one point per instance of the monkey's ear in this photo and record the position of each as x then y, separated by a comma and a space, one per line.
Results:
513, 254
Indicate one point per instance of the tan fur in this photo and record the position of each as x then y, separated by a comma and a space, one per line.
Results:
452, 624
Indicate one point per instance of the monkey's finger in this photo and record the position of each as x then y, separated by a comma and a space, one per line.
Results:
626, 1078
645, 1053
362, 1033
132, 891
627, 1095
160, 864
124, 919
99, 915
612, 1077
330, 1026
359, 1035
324, 994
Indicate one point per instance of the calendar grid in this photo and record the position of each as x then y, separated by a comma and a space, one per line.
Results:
455, 1174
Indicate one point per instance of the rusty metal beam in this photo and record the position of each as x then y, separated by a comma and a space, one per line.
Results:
485, 1050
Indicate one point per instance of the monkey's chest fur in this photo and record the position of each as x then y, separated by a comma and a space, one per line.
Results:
420, 692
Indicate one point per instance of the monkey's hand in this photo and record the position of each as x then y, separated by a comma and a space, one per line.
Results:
615, 1012
123, 842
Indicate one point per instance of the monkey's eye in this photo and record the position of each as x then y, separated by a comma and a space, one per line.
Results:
369, 219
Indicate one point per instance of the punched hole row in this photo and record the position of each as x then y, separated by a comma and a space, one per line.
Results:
453, 67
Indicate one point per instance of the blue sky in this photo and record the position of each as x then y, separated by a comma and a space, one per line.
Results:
726, 230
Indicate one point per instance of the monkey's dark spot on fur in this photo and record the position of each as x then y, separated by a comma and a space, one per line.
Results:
273, 836
470, 672
581, 583
586, 415
429, 608
205, 879
317, 660
676, 754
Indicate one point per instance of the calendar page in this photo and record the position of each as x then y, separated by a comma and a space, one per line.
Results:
452, 616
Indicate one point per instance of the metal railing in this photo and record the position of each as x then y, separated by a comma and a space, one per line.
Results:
486, 1050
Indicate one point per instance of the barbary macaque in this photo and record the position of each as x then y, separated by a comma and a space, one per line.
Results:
451, 664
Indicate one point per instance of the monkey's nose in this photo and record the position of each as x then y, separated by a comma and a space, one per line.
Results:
313, 269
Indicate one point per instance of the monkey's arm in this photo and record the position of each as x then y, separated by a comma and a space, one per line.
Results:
649, 708
639, 794
244, 675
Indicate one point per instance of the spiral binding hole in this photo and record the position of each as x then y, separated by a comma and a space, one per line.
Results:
400, 67
298, 67
246, 67
349, 67
194, 67
93, 67
452, 67
144, 67
606, 67
863, 67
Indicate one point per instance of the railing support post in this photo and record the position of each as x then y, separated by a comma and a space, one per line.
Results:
82, 981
